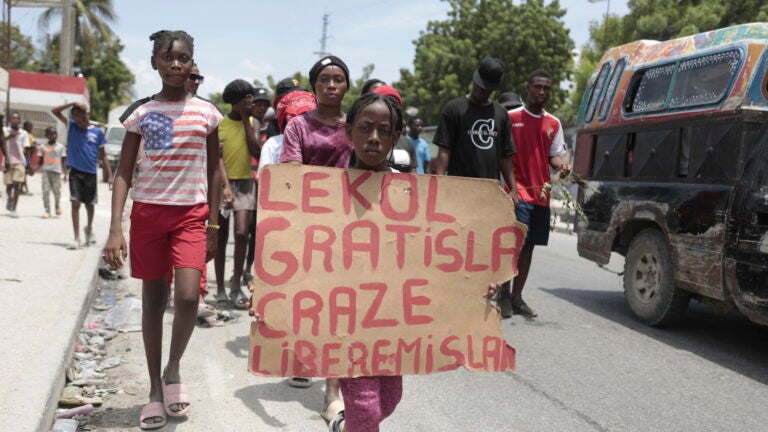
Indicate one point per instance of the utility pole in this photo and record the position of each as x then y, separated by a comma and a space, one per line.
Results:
7, 60
322, 52
66, 41
605, 21
66, 38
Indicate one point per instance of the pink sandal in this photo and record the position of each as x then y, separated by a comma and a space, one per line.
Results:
152, 410
175, 394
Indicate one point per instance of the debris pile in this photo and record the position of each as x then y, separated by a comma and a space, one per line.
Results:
87, 375
111, 314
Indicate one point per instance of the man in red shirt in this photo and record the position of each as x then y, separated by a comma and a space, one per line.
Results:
540, 143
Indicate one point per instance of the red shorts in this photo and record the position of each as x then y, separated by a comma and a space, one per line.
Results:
165, 237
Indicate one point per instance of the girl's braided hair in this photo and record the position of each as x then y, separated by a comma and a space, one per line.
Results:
166, 38
395, 112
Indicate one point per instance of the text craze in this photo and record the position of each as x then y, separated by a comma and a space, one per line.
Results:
364, 273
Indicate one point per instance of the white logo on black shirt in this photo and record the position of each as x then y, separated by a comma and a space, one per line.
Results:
483, 133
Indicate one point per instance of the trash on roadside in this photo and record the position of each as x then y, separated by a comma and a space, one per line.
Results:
221, 317
101, 392
88, 381
69, 413
78, 400
65, 425
105, 300
97, 341
108, 274
126, 317
108, 363
71, 396
86, 374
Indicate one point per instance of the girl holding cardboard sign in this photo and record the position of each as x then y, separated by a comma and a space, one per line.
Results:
374, 124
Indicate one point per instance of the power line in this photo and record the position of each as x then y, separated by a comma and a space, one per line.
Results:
324, 38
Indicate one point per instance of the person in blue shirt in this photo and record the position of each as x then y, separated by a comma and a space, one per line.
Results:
420, 144
85, 145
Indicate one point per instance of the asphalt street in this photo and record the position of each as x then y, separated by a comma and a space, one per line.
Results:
585, 364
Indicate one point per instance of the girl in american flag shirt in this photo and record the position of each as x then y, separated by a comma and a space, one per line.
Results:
177, 180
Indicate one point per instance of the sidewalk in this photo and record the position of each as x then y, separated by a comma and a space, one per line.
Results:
46, 288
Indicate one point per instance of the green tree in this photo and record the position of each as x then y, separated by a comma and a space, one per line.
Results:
526, 36
109, 80
92, 18
218, 100
602, 36
23, 51
97, 54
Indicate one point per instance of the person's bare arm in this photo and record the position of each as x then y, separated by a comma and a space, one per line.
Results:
508, 172
251, 132
57, 111
3, 151
441, 161
214, 192
106, 165
227, 186
558, 163
116, 249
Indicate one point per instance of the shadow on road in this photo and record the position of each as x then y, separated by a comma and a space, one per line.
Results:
727, 339
238, 346
251, 396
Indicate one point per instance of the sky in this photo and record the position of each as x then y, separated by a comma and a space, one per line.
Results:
251, 39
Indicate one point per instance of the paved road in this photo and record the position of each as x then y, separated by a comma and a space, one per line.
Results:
584, 365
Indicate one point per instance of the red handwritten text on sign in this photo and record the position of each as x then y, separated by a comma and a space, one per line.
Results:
364, 273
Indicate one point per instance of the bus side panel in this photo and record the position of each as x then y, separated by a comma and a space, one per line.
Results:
583, 155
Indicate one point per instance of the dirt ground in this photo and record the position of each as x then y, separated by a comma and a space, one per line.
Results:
120, 411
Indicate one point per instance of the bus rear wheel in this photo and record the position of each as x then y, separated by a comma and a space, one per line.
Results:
649, 284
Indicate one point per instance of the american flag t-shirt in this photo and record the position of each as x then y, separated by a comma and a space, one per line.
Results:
157, 129
173, 169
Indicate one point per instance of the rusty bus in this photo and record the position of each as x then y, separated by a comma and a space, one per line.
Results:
673, 146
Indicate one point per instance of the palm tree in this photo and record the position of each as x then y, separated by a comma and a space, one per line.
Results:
91, 20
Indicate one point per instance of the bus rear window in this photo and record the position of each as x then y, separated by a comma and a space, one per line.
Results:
608, 98
704, 80
652, 89
597, 91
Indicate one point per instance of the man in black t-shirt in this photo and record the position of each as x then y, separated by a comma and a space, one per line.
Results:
474, 136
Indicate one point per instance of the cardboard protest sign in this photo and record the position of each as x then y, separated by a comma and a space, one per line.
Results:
366, 273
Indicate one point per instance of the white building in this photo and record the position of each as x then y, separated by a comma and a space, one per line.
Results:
34, 94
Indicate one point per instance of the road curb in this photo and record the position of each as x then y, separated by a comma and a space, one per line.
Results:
87, 275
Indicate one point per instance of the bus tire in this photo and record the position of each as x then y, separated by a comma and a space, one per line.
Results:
649, 283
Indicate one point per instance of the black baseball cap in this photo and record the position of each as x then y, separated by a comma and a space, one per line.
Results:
286, 85
260, 94
510, 100
488, 73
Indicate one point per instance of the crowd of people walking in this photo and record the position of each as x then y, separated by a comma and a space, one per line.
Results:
192, 173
